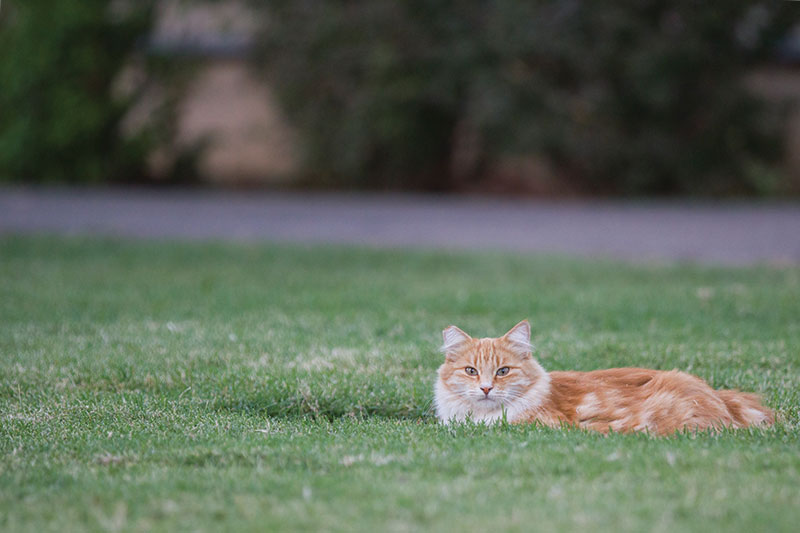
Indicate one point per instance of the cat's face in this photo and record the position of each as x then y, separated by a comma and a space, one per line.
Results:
485, 376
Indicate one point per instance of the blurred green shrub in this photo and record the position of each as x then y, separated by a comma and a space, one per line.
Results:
59, 115
618, 97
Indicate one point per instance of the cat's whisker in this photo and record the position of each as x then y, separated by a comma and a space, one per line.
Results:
428, 407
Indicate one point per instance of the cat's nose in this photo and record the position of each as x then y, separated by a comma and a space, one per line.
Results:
486, 390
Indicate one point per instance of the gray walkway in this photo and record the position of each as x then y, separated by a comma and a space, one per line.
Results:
724, 233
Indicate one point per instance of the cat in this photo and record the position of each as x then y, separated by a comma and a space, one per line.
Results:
492, 379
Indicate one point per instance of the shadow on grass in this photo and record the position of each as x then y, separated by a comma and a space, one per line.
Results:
300, 405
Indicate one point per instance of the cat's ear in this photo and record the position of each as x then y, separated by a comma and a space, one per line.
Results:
453, 337
520, 337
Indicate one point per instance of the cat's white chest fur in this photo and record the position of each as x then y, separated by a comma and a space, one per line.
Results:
451, 408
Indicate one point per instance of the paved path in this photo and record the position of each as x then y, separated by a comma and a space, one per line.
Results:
723, 233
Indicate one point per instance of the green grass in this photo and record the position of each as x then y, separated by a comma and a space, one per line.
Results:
209, 387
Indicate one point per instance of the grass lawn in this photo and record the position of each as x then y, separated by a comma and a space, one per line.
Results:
162, 386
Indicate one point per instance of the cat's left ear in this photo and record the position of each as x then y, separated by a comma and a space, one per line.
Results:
453, 338
520, 337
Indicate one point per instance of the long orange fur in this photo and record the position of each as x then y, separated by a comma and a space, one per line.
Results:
617, 399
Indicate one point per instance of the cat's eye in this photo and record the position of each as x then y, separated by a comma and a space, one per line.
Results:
471, 371
503, 371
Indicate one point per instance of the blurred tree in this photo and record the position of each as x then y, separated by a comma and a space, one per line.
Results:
631, 97
59, 115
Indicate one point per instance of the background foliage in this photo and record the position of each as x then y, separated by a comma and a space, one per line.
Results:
628, 97
59, 115
637, 97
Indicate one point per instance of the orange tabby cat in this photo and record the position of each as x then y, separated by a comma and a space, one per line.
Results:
482, 379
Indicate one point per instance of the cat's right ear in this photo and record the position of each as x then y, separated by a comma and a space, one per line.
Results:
520, 338
453, 338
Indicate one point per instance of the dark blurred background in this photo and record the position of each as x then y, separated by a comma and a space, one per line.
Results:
549, 98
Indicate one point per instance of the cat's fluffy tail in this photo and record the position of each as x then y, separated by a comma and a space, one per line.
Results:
746, 409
